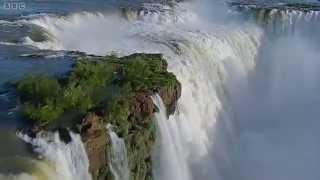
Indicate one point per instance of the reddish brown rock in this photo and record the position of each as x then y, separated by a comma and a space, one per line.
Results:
95, 138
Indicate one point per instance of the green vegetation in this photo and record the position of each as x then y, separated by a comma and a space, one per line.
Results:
119, 112
40, 95
117, 90
92, 82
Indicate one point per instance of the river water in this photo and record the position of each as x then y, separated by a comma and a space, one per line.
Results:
250, 83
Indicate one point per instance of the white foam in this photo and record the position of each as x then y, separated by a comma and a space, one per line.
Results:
118, 157
60, 160
204, 56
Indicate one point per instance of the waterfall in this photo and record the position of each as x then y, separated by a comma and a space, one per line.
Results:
118, 157
202, 127
277, 114
282, 20
206, 58
168, 148
57, 160
247, 110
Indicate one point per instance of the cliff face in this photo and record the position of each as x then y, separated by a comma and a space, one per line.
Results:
139, 140
100, 91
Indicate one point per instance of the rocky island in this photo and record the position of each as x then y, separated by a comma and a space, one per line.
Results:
96, 92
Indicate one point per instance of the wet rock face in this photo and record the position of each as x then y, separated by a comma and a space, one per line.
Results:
95, 138
170, 97
139, 137
64, 134
100, 91
143, 106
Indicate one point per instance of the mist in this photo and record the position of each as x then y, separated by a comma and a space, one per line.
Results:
277, 113
248, 106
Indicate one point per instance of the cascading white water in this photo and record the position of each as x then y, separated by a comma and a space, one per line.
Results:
204, 56
118, 157
279, 125
168, 147
287, 22
224, 127
282, 20
57, 160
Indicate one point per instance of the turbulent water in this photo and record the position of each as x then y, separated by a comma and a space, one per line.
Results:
167, 148
119, 158
248, 108
56, 160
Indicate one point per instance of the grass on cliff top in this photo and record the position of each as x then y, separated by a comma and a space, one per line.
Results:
91, 82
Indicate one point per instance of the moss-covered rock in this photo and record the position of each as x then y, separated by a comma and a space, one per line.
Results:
100, 91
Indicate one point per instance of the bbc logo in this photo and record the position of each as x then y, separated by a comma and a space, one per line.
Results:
14, 5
